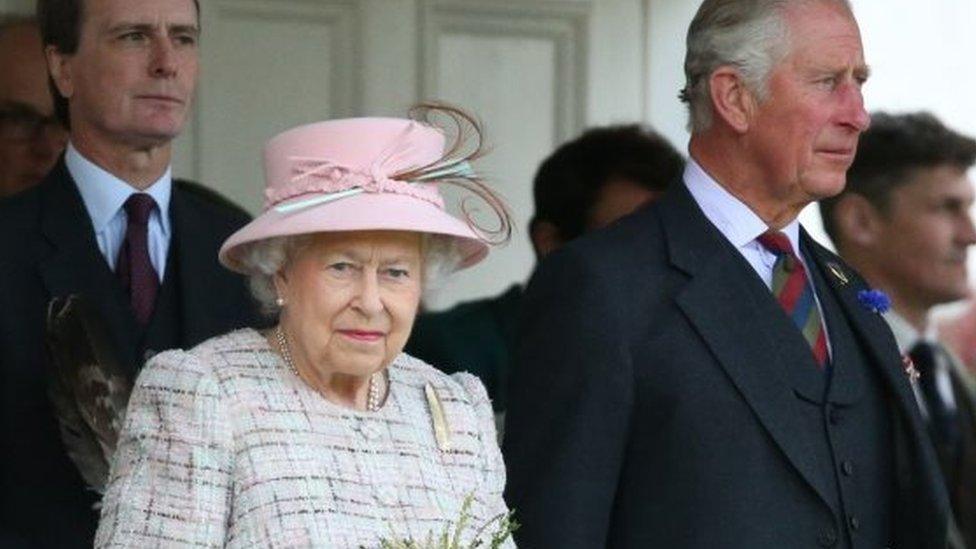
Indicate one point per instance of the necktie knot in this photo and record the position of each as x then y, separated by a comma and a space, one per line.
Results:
138, 207
776, 242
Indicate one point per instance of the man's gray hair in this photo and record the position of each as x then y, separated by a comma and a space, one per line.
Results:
264, 258
750, 35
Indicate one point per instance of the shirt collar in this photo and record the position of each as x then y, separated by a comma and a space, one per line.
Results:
733, 218
906, 336
104, 194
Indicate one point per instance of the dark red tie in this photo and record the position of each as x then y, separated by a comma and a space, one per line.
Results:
133, 267
795, 294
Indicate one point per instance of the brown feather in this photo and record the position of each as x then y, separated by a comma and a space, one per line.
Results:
89, 389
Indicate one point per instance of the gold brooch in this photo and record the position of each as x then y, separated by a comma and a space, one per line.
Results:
838, 273
439, 419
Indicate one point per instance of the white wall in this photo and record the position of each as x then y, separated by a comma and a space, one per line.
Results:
17, 6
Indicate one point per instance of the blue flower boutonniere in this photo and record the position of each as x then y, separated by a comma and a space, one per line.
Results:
875, 301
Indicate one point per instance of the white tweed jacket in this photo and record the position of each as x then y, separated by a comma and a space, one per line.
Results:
224, 447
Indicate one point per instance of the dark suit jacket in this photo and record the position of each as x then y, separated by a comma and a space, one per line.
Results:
48, 249
963, 491
648, 405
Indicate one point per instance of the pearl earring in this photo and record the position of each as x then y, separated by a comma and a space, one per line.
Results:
280, 302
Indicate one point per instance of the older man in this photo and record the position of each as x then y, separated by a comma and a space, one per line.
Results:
109, 223
703, 374
31, 138
904, 223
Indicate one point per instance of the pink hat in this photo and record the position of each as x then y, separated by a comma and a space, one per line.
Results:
345, 175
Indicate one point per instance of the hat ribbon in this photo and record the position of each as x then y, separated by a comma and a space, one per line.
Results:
329, 180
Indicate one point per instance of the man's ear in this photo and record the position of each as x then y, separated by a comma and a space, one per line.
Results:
858, 222
59, 67
732, 101
545, 238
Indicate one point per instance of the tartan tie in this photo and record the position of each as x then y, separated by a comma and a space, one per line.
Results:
794, 292
133, 267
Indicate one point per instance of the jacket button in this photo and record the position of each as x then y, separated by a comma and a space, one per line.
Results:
855, 523
847, 468
834, 416
827, 538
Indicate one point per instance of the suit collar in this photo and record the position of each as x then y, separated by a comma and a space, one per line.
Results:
104, 194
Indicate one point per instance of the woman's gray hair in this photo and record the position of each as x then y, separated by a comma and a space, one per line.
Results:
750, 35
264, 258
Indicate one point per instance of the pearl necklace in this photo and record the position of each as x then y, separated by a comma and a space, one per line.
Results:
372, 395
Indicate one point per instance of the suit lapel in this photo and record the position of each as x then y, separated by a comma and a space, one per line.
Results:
74, 265
872, 330
917, 467
735, 315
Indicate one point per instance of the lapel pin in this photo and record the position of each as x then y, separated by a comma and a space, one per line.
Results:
909, 365
838, 273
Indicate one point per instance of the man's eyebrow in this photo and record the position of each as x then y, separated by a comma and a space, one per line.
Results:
183, 28
130, 26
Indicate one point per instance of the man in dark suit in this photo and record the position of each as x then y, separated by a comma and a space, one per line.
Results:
110, 224
903, 222
703, 374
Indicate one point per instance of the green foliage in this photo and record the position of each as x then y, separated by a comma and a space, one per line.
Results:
501, 527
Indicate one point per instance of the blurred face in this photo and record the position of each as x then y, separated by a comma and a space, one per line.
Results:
617, 199
132, 79
924, 235
805, 133
30, 137
351, 299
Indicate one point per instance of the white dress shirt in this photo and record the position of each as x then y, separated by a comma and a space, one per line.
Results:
104, 196
741, 226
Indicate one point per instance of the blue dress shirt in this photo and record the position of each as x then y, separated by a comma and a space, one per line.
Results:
104, 196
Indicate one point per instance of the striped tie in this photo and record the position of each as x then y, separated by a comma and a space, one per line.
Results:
795, 294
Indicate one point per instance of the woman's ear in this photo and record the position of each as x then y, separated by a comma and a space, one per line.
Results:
732, 100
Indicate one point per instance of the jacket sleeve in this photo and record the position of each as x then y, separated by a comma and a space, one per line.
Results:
170, 483
570, 400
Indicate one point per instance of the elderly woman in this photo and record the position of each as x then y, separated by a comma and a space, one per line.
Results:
321, 432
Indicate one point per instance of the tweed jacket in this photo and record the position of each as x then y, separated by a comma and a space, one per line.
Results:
224, 447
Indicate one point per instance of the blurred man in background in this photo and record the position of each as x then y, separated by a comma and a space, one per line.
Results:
585, 185
31, 138
903, 222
